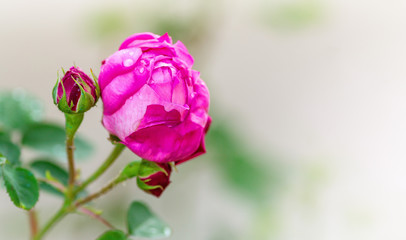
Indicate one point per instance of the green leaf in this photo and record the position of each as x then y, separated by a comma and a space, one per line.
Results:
4, 136
45, 168
3, 160
50, 189
10, 151
21, 186
50, 139
130, 171
18, 109
113, 235
143, 223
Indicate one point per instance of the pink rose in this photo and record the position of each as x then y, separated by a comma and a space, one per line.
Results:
153, 101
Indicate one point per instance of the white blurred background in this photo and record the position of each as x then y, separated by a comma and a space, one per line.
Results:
314, 89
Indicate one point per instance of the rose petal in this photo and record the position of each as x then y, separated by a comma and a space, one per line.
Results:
127, 119
156, 115
183, 53
121, 88
138, 38
157, 143
120, 62
202, 147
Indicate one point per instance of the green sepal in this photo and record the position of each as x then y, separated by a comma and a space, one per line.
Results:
55, 91
63, 104
96, 83
86, 100
129, 171
147, 168
142, 185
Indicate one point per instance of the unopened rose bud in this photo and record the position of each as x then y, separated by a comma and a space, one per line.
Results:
154, 177
75, 92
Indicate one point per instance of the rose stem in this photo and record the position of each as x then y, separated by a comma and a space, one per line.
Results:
67, 206
95, 216
72, 123
58, 216
95, 195
70, 147
32, 215
107, 163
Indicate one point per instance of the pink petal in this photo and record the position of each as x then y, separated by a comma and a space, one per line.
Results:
160, 81
158, 143
122, 87
165, 38
127, 119
156, 115
183, 53
138, 38
120, 62
202, 147
180, 91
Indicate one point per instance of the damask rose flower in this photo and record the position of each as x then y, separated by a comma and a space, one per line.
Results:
75, 92
153, 101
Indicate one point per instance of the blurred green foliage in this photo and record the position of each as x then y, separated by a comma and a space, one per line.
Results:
142, 222
113, 235
20, 125
296, 15
18, 110
240, 166
113, 23
11, 151
50, 139
106, 23
48, 169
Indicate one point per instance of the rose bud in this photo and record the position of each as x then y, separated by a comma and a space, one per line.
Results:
153, 101
75, 92
153, 177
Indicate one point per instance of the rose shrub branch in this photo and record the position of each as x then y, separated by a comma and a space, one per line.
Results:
154, 103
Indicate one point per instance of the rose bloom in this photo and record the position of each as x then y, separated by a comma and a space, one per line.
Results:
153, 101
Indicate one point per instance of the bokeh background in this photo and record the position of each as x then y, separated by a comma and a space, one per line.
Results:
308, 104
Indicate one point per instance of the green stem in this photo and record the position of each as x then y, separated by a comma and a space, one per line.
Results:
70, 147
58, 216
118, 149
72, 123
93, 196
